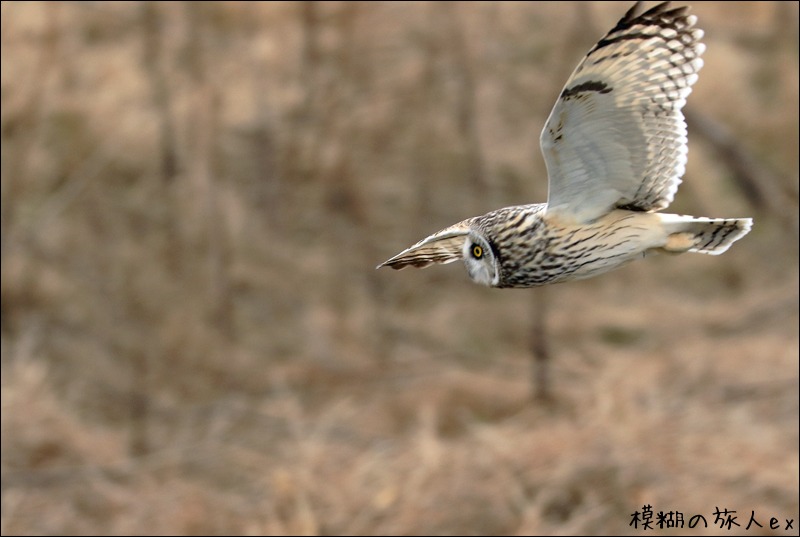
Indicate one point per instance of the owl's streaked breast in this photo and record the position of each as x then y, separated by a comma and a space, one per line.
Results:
533, 249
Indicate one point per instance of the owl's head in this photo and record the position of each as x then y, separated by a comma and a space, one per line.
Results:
480, 259
460, 241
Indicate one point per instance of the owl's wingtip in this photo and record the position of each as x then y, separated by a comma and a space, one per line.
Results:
391, 263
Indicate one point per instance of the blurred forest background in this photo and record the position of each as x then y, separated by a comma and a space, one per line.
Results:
195, 340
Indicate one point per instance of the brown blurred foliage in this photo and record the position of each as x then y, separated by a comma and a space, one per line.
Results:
195, 340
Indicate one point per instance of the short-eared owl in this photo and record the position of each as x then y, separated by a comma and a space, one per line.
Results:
615, 150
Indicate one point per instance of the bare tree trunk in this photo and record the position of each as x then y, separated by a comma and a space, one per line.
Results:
151, 26
204, 155
466, 101
304, 145
16, 162
153, 63
152, 60
310, 17
424, 100
540, 348
267, 183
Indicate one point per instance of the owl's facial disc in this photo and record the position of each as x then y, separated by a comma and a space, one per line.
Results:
480, 261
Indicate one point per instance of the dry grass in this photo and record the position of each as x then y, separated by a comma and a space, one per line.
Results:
194, 340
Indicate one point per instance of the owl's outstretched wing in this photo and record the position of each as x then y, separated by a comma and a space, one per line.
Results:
616, 136
443, 247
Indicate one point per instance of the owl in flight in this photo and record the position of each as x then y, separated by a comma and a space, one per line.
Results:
615, 148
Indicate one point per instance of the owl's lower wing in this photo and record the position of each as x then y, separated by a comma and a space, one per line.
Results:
442, 247
616, 136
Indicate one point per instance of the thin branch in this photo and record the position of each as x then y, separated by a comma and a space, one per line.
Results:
762, 188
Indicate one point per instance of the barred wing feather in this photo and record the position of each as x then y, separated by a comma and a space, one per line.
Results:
616, 136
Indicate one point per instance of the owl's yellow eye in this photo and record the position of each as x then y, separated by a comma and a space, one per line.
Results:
477, 251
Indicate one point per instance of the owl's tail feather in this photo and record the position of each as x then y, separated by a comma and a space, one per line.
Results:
703, 235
